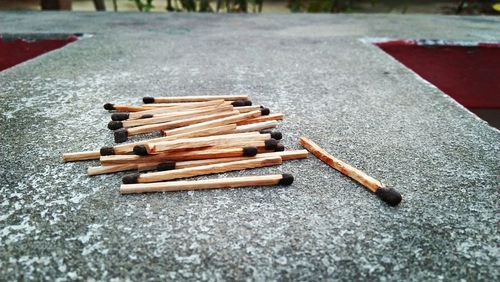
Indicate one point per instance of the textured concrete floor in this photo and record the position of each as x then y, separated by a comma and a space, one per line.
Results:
347, 95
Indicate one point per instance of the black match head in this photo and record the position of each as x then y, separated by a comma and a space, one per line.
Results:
130, 178
286, 179
270, 144
120, 116
148, 100
109, 106
140, 150
279, 148
389, 195
121, 135
247, 102
265, 111
169, 165
276, 135
114, 125
238, 103
107, 151
146, 116
249, 151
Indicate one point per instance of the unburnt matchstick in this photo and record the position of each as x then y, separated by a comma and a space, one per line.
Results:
149, 100
234, 182
388, 195
200, 170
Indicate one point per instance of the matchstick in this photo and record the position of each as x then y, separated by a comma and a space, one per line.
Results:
246, 109
96, 170
234, 182
388, 195
81, 156
218, 122
125, 108
199, 142
161, 118
256, 126
149, 100
200, 170
180, 156
121, 135
163, 110
237, 103
278, 116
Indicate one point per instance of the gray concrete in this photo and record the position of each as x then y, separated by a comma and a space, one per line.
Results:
349, 96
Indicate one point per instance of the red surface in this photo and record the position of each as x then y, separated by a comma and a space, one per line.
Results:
469, 74
13, 52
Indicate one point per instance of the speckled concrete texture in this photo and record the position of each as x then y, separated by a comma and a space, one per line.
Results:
334, 87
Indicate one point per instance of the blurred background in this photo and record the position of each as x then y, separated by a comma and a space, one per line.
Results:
461, 7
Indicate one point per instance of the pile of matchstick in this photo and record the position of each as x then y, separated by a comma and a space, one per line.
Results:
200, 135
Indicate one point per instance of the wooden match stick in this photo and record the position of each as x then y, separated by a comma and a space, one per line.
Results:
278, 116
256, 126
180, 156
149, 100
81, 156
163, 110
388, 195
121, 135
234, 182
246, 109
236, 103
96, 170
199, 170
218, 122
125, 108
162, 118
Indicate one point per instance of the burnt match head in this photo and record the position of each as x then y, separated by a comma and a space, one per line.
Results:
276, 135
168, 165
109, 106
238, 103
270, 144
107, 151
279, 148
286, 179
130, 178
114, 125
140, 150
249, 151
265, 111
247, 102
389, 195
148, 100
121, 135
120, 116
147, 116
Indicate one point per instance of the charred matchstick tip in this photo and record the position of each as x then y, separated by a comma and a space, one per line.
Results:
265, 111
287, 179
140, 150
109, 106
114, 125
279, 148
119, 116
239, 103
146, 116
121, 135
247, 102
249, 151
130, 178
169, 165
389, 195
270, 144
148, 100
107, 151
274, 134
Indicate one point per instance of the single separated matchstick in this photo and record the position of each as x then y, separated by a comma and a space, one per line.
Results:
149, 100
388, 195
199, 170
234, 182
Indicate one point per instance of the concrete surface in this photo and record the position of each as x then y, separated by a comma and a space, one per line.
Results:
347, 95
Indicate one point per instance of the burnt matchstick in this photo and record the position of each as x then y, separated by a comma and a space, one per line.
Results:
278, 116
200, 170
121, 135
180, 156
388, 195
162, 118
217, 122
125, 108
234, 182
149, 100
168, 165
